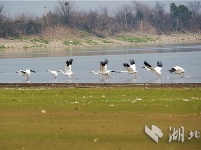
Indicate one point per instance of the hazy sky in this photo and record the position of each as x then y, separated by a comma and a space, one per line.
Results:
15, 7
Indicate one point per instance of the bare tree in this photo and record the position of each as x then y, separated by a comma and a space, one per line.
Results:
124, 16
27, 24
91, 20
6, 25
136, 16
126, 10
141, 9
2, 16
195, 8
105, 21
159, 17
65, 10
1, 20
1, 10
143, 17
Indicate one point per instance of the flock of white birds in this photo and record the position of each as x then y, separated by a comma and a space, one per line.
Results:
130, 68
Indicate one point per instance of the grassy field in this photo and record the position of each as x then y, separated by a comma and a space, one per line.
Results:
103, 118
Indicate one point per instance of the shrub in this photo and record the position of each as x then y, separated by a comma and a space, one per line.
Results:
41, 40
2, 47
74, 42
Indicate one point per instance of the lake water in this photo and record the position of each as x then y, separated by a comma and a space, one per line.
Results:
187, 56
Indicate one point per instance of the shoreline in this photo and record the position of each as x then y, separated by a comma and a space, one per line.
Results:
36, 43
98, 85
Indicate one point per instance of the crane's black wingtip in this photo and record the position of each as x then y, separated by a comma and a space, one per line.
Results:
132, 61
69, 62
106, 61
146, 64
103, 63
126, 65
172, 70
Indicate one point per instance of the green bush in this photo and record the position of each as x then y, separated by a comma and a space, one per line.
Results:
2, 47
107, 42
41, 40
72, 42
90, 42
135, 39
34, 46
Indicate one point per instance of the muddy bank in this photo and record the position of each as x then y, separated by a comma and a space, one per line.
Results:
98, 85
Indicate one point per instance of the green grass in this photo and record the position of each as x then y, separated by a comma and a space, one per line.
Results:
97, 118
91, 42
107, 42
2, 47
16, 38
35, 46
40, 40
74, 42
135, 39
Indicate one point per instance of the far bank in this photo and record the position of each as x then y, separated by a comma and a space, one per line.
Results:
39, 43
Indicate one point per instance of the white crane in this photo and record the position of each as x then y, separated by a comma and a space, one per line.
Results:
103, 69
156, 70
25, 73
54, 73
177, 70
68, 69
131, 69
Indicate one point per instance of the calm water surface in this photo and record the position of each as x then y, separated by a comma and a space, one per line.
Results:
187, 56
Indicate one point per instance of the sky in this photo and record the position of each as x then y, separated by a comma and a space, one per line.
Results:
13, 8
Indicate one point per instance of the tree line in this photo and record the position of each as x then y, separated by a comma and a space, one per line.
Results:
136, 17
